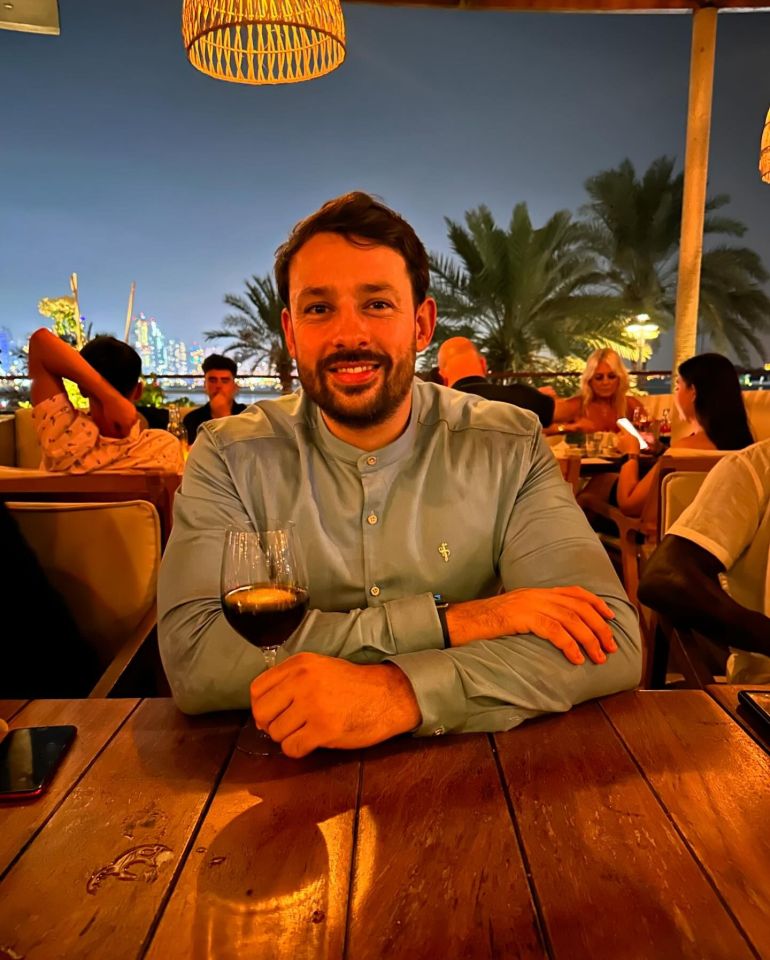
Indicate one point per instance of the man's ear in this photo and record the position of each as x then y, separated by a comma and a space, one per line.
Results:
136, 393
288, 333
425, 323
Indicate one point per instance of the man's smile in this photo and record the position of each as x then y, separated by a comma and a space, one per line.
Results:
357, 373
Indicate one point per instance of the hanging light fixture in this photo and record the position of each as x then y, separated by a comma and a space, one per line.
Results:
764, 152
264, 41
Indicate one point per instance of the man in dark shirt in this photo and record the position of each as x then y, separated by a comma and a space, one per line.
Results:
219, 383
462, 367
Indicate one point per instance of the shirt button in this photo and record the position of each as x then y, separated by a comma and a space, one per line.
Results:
438, 731
375, 590
371, 461
372, 519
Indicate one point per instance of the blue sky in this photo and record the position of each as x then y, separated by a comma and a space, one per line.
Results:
121, 162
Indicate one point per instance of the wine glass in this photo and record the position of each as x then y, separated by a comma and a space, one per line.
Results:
264, 588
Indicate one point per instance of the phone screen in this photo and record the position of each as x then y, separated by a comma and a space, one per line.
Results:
29, 757
626, 424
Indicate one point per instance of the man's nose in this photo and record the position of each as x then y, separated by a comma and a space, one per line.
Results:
351, 330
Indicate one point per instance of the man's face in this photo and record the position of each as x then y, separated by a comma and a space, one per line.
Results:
353, 328
219, 383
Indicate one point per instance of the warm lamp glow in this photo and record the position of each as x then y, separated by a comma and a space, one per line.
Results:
764, 151
264, 41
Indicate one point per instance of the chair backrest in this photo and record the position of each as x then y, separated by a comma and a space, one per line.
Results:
103, 559
28, 452
677, 492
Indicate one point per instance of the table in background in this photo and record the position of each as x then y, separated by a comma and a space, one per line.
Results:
631, 828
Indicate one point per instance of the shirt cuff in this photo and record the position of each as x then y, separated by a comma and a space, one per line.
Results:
437, 687
414, 623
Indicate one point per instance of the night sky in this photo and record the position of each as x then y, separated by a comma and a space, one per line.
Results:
121, 162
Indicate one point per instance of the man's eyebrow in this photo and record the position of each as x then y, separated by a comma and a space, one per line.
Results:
378, 287
315, 292
381, 287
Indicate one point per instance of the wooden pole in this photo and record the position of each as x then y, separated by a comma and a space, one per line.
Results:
703, 49
129, 311
78, 325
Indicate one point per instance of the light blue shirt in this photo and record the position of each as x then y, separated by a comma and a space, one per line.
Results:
467, 500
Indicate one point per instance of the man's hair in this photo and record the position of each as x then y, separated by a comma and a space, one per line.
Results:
363, 221
216, 361
116, 361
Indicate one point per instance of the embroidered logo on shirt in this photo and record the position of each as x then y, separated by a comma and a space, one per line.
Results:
444, 550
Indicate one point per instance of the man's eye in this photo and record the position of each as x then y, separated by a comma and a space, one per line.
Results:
380, 305
316, 309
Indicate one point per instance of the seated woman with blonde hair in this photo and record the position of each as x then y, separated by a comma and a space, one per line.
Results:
602, 400
708, 396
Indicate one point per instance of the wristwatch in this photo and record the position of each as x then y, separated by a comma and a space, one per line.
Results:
441, 608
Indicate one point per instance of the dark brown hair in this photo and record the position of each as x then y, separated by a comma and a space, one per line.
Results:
364, 221
116, 361
216, 361
719, 406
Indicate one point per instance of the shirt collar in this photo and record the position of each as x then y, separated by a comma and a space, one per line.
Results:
327, 442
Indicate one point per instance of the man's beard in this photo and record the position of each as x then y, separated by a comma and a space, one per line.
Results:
339, 403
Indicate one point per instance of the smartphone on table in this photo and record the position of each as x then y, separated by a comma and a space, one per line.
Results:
758, 701
29, 757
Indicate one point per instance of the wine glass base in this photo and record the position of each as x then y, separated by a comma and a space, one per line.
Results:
256, 743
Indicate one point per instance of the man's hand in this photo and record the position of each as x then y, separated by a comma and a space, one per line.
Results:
311, 701
220, 404
568, 617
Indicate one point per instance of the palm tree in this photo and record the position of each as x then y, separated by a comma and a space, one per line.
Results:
525, 292
255, 330
633, 228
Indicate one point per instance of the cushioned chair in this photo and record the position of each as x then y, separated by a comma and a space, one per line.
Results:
103, 560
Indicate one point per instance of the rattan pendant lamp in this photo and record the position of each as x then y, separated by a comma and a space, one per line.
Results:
264, 41
764, 152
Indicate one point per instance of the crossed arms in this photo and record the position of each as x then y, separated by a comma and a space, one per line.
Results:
354, 678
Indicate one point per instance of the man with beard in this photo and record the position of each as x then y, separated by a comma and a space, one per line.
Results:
400, 491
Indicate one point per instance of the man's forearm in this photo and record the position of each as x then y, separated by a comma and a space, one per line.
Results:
47, 353
689, 597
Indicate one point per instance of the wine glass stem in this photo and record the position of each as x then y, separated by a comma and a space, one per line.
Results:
269, 655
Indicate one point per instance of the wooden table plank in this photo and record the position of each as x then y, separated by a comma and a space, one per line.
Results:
726, 695
438, 872
612, 876
91, 883
269, 873
9, 707
715, 784
97, 721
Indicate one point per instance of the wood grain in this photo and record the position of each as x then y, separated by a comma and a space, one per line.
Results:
9, 707
715, 783
726, 695
612, 876
269, 872
438, 872
96, 724
93, 880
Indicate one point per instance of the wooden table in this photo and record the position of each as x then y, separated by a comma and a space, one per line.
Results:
632, 828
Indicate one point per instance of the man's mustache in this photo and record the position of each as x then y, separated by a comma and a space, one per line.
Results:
354, 356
